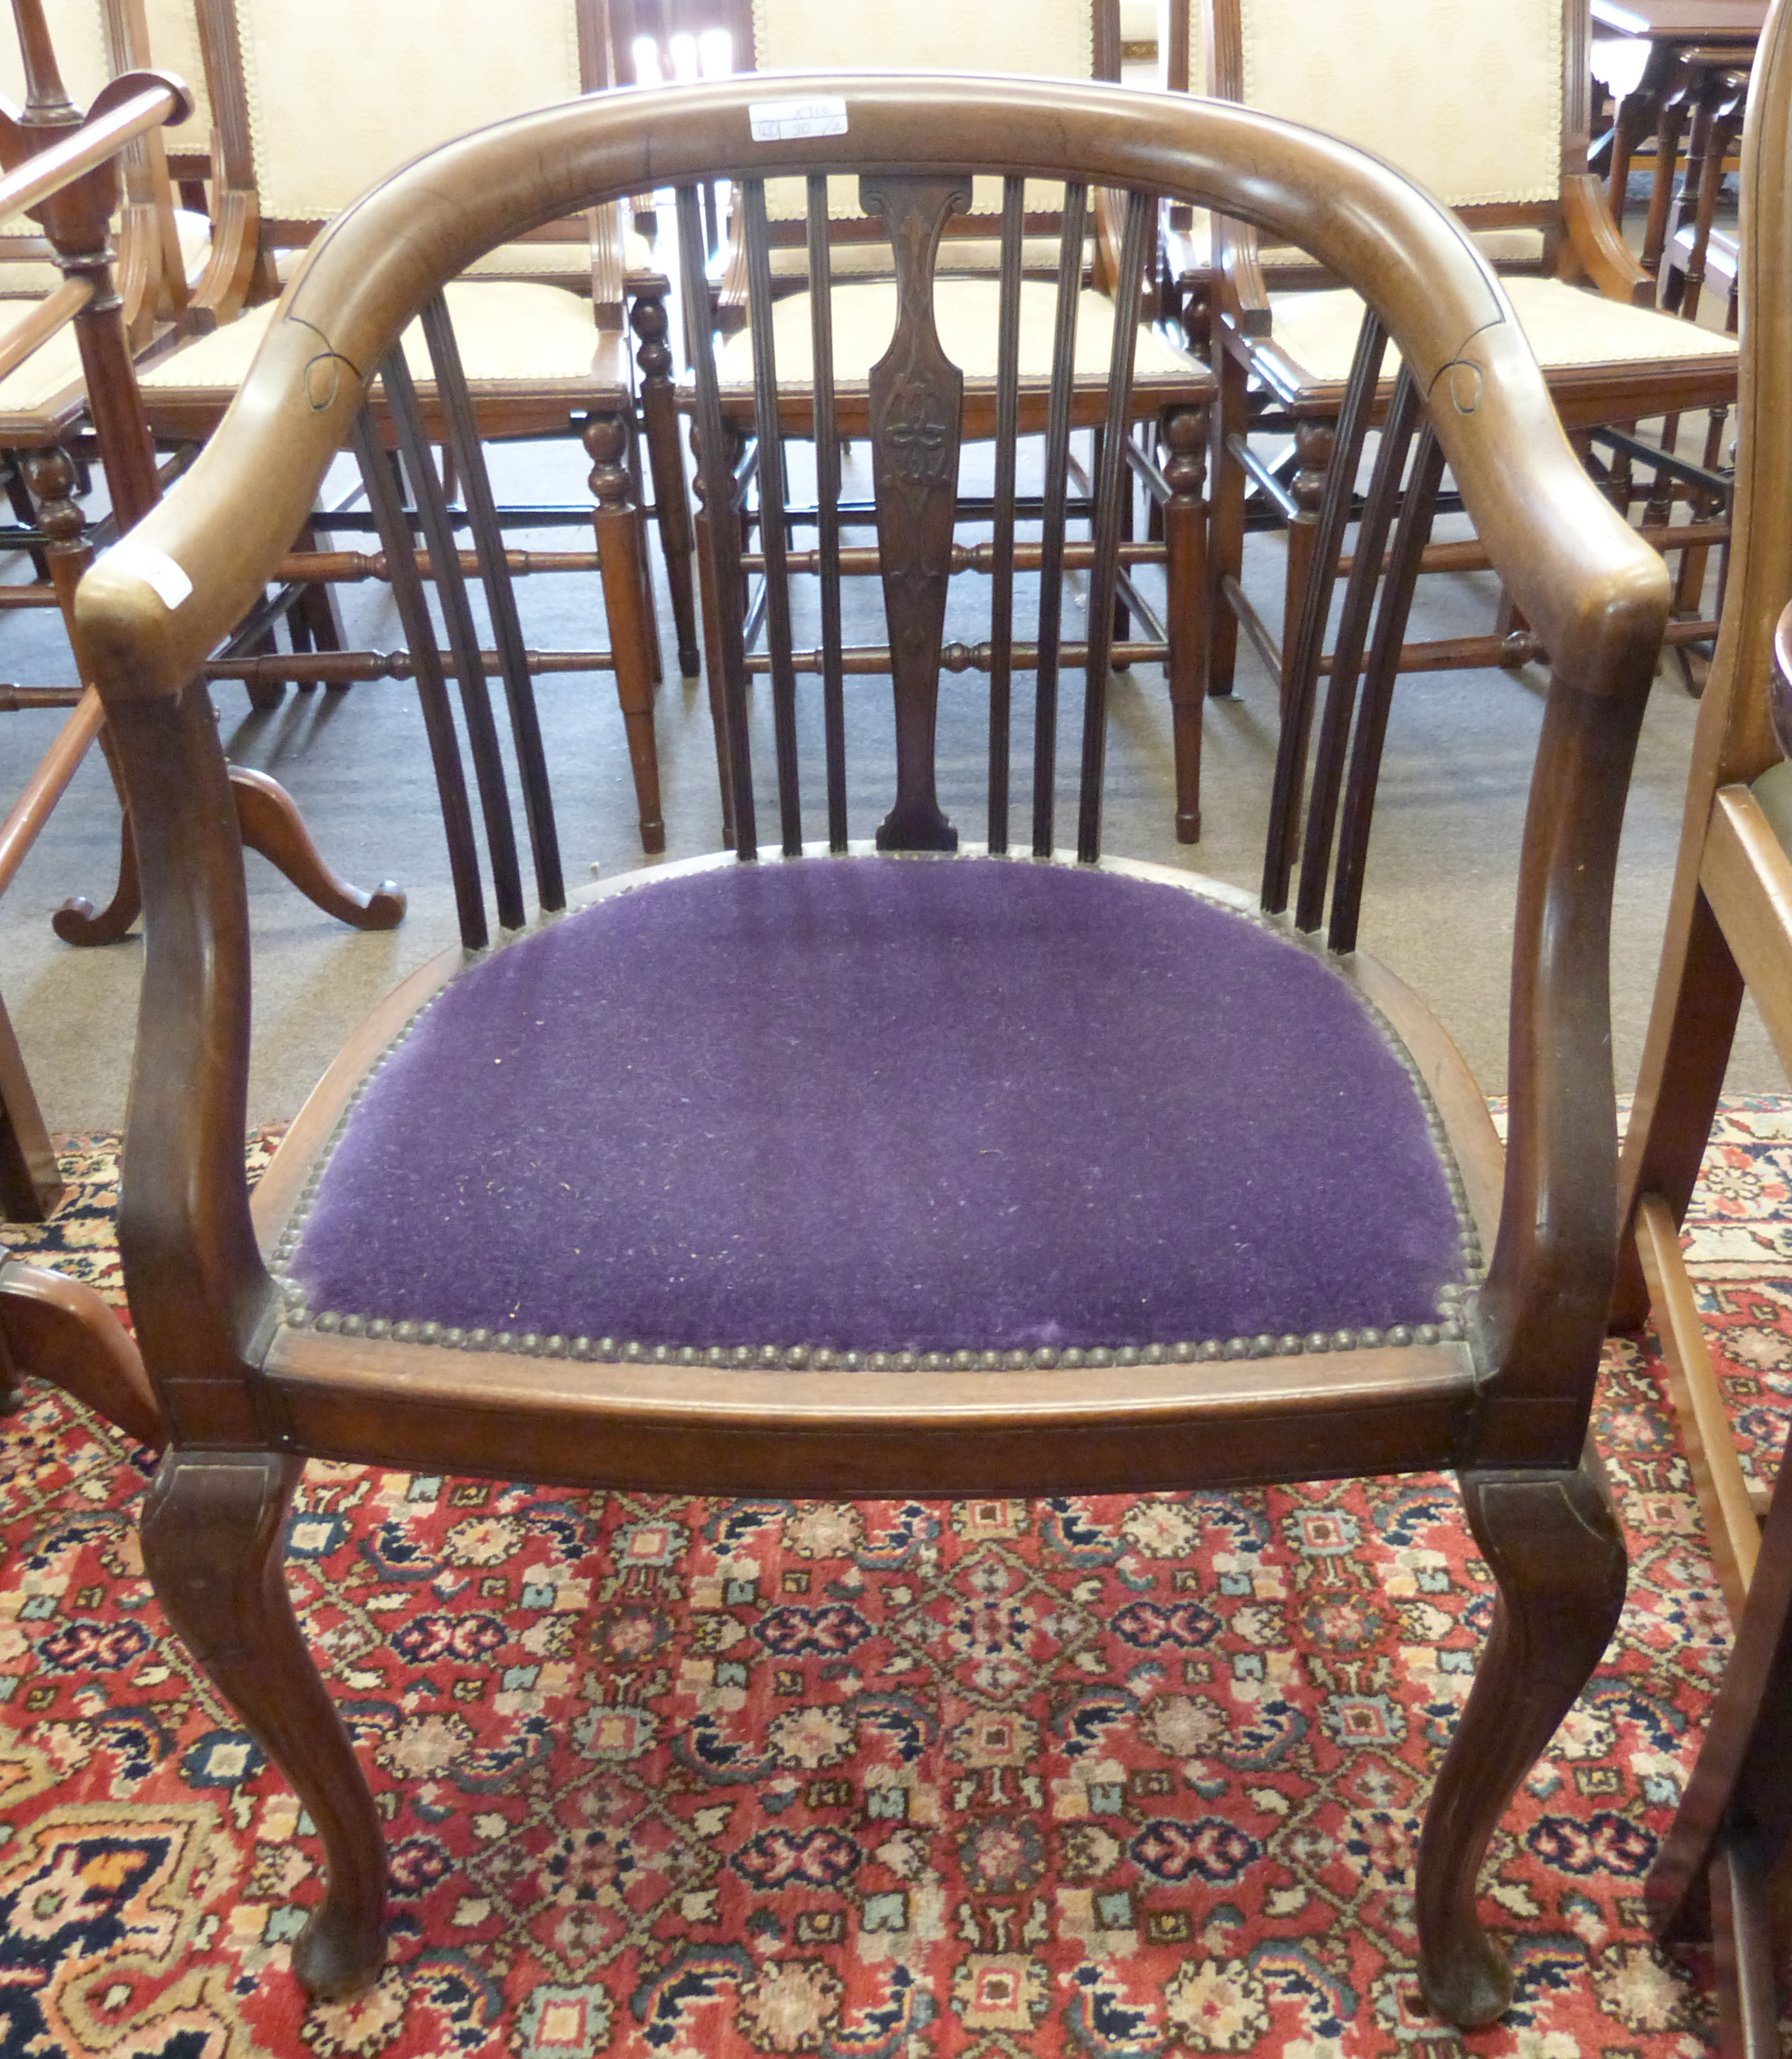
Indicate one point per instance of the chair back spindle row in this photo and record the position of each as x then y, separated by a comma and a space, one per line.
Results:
916, 396
916, 411
1401, 501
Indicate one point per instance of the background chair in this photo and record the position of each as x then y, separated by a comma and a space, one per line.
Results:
832, 1267
1721, 1870
1078, 39
1489, 111
159, 248
541, 359
73, 345
1728, 924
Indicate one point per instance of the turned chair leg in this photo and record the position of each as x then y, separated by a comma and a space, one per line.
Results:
1557, 1554
665, 461
1225, 551
619, 548
1185, 436
213, 1528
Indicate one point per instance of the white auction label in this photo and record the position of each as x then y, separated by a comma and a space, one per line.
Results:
788, 121
171, 584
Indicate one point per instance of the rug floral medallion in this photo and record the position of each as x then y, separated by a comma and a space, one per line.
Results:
1115, 1778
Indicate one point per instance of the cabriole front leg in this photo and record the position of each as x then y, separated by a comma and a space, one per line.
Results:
212, 1531
1553, 1543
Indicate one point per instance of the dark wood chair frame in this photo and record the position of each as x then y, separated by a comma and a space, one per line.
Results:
1503, 1397
1724, 1866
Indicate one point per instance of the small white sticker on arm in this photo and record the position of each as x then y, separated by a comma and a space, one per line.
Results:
789, 121
156, 568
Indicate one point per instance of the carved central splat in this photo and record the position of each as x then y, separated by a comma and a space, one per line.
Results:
915, 395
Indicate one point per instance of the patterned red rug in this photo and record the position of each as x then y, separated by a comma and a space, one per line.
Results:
1114, 1777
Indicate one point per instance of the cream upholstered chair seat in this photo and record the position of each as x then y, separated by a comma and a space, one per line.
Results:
865, 318
977, 254
44, 395
1565, 325
1499, 246
510, 334
33, 278
557, 263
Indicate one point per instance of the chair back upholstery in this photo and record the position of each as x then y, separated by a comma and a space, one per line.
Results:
174, 44
1475, 102
310, 130
95, 39
78, 34
1071, 39
1052, 38
93, 42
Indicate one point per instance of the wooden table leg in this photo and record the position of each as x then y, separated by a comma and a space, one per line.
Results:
269, 820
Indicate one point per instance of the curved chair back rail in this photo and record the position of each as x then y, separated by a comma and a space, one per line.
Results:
1592, 589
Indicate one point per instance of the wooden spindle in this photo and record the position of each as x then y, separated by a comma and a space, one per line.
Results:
1347, 658
426, 659
1300, 673
1057, 467
827, 496
774, 535
1410, 539
716, 481
1001, 566
500, 595
1114, 479
450, 591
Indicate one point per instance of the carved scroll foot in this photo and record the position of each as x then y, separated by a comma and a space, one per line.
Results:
60, 1330
270, 823
78, 921
1556, 1552
211, 1533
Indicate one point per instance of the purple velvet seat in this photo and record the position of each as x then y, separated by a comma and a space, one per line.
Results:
875, 1104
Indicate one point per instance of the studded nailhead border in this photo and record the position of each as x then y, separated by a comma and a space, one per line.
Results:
1455, 1300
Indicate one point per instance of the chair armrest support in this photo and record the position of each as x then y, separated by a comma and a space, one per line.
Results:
1243, 298
1595, 246
231, 272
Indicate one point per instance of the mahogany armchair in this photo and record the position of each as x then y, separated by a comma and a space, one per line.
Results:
885, 1210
